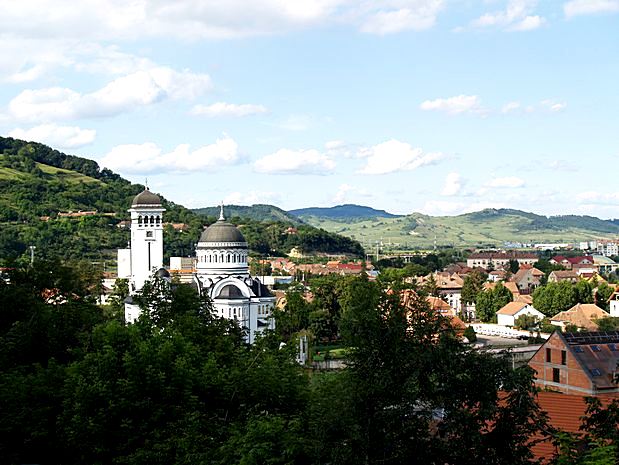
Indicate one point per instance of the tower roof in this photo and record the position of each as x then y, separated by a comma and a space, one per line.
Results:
146, 199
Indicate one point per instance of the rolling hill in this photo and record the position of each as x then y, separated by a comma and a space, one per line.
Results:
260, 212
483, 228
37, 183
343, 212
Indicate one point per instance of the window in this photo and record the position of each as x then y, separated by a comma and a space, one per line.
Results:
149, 234
596, 372
595, 348
578, 349
563, 357
556, 375
613, 347
548, 355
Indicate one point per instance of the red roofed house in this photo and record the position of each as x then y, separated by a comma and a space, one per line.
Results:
584, 363
508, 315
564, 414
527, 278
580, 315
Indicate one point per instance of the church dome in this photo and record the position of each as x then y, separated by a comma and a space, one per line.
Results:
146, 199
222, 231
230, 291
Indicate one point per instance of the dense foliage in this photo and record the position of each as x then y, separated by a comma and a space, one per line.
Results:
490, 301
37, 183
180, 386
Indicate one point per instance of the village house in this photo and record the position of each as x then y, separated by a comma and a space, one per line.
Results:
527, 278
495, 260
508, 314
583, 363
613, 301
580, 315
562, 275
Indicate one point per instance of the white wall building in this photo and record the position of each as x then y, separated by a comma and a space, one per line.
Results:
222, 271
508, 315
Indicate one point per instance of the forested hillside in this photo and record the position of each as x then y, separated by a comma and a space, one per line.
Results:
37, 184
260, 212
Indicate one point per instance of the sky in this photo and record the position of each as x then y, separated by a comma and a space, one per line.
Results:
433, 106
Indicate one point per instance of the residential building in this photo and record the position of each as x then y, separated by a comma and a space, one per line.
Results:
583, 363
508, 314
614, 304
527, 278
562, 275
487, 260
581, 315
564, 414
608, 248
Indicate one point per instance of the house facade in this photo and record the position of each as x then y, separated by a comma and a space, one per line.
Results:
584, 363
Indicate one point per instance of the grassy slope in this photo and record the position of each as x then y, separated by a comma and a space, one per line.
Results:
473, 229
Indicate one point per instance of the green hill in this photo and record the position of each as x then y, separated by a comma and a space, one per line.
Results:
261, 212
38, 183
343, 212
483, 228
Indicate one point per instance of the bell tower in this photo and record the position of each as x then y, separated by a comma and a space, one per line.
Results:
146, 237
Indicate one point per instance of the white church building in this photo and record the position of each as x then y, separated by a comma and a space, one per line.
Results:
221, 271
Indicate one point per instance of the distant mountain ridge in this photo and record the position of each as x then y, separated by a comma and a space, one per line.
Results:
489, 227
260, 212
346, 211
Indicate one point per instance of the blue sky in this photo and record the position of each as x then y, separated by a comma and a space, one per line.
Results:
436, 106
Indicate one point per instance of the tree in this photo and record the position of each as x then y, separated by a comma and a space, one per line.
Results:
473, 285
405, 366
514, 266
602, 294
469, 334
527, 322
555, 297
490, 301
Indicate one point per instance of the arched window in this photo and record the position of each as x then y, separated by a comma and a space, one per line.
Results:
228, 258
140, 220
158, 220
215, 258
152, 220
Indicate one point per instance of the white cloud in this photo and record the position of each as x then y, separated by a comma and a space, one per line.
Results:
149, 158
453, 184
588, 7
295, 123
345, 193
528, 23
598, 198
553, 106
62, 137
454, 105
286, 161
228, 109
120, 95
400, 16
506, 182
251, 198
515, 17
510, 107
393, 155
104, 20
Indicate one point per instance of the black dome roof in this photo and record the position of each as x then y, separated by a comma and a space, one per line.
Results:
146, 198
222, 231
230, 291
162, 273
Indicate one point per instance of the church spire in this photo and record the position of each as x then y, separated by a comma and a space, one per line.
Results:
221, 212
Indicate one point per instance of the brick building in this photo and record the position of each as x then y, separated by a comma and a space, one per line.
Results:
584, 363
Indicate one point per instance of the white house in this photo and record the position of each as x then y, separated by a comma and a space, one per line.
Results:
508, 315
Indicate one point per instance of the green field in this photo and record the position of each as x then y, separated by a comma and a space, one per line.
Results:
489, 227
